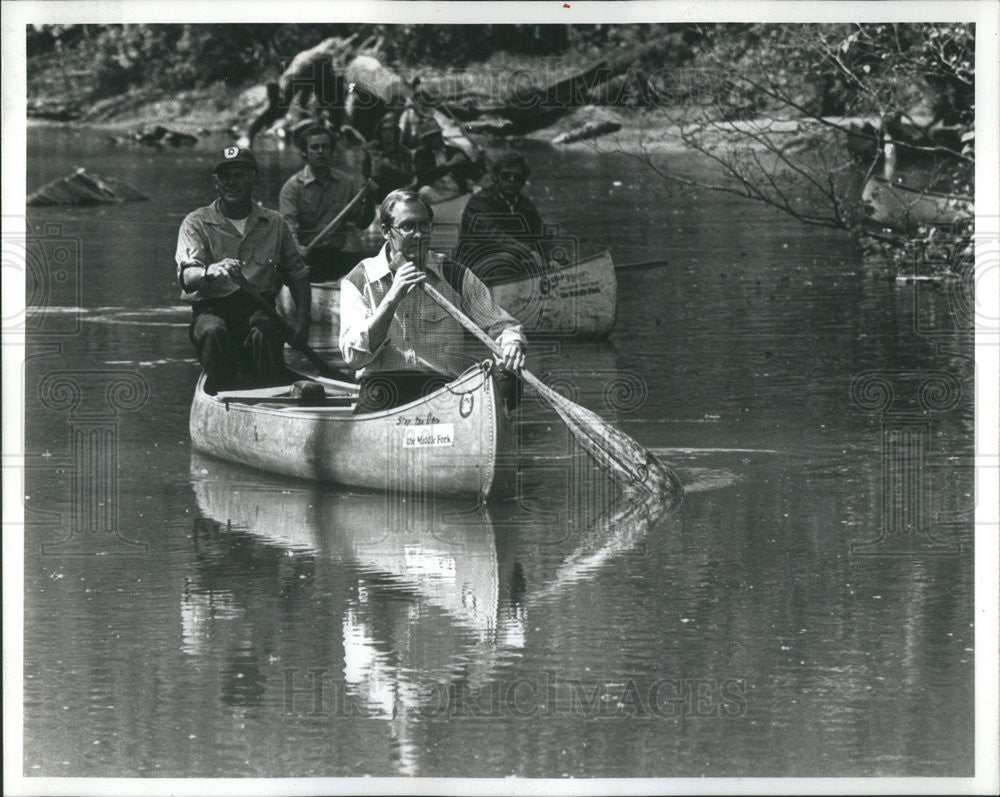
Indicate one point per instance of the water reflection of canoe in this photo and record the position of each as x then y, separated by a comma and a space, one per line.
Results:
448, 443
433, 599
577, 300
445, 550
902, 206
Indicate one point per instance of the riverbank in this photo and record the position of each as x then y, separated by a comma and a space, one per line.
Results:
58, 93
218, 109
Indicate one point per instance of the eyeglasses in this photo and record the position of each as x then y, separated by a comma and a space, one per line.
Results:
511, 177
408, 228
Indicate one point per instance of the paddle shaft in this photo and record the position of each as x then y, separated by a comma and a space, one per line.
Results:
613, 450
474, 328
324, 368
338, 219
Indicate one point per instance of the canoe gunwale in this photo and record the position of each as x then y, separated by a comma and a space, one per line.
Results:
920, 192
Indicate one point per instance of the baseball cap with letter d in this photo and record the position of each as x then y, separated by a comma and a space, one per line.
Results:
236, 155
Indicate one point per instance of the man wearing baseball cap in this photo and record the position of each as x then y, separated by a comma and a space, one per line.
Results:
237, 344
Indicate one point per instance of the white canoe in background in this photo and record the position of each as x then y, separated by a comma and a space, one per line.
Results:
448, 443
579, 300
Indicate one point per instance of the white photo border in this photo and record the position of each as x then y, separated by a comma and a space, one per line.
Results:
984, 13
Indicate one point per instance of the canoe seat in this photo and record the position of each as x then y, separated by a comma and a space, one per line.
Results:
302, 393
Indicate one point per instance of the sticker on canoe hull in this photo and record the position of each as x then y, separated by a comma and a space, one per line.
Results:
429, 436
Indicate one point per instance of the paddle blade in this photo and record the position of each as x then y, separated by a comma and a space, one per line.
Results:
631, 465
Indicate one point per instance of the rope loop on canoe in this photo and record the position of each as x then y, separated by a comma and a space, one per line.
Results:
485, 366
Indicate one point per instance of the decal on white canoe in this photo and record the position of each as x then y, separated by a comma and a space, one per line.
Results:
429, 435
569, 283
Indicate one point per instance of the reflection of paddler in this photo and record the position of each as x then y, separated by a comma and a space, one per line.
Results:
437, 594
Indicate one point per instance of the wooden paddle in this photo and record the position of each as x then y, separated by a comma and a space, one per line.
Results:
628, 463
338, 219
321, 365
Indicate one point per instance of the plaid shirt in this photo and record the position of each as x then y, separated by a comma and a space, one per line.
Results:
421, 336
309, 205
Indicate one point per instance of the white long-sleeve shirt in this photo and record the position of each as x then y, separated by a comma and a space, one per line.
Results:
421, 336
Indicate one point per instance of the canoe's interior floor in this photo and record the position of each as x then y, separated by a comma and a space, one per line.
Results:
290, 393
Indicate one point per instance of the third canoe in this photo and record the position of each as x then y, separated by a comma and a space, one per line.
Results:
578, 300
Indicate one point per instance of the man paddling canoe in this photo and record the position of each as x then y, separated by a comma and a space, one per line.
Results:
312, 197
501, 233
387, 162
237, 343
434, 159
400, 340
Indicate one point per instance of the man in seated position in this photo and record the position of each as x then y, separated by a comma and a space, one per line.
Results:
387, 163
237, 343
401, 341
434, 159
311, 198
501, 232
314, 73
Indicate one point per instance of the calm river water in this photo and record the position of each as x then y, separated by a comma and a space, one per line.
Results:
806, 610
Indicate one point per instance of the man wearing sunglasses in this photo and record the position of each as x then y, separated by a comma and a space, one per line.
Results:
501, 232
402, 343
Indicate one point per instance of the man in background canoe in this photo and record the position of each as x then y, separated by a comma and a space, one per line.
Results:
402, 342
237, 343
387, 162
311, 198
501, 232
434, 159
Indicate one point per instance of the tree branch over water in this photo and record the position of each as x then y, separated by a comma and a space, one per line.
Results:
771, 108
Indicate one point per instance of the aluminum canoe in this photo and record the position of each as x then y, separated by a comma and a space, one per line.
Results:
451, 442
907, 207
